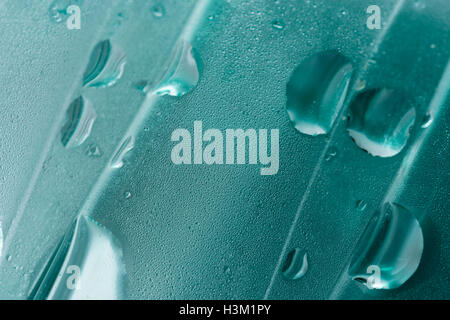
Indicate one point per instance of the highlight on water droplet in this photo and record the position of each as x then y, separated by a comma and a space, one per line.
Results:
361, 205
391, 245
295, 265
158, 10
380, 121
87, 264
106, 65
331, 153
127, 194
80, 119
126, 146
426, 121
278, 24
181, 73
316, 91
93, 151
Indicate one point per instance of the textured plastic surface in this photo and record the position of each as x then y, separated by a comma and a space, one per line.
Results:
219, 231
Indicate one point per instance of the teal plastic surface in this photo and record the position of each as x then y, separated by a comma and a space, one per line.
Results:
93, 206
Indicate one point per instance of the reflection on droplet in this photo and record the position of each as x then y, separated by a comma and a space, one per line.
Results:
278, 24
296, 265
106, 65
88, 255
392, 244
127, 194
158, 10
426, 121
124, 148
181, 74
80, 119
316, 92
331, 153
93, 151
380, 121
361, 205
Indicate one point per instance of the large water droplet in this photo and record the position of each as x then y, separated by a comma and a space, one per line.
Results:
87, 264
124, 148
380, 121
106, 65
316, 92
181, 74
80, 119
389, 250
296, 265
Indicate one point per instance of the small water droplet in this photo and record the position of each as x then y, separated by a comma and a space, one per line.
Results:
360, 84
432, 46
380, 121
419, 4
278, 24
426, 121
361, 205
331, 153
158, 10
127, 194
392, 244
93, 151
316, 91
80, 119
106, 65
226, 270
181, 73
144, 86
126, 146
296, 264
8, 258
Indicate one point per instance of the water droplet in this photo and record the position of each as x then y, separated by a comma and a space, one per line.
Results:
106, 65
89, 254
93, 151
380, 121
419, 4
226, 270
331, 153
392, 244
125, 147
181, 74
8, 258
296, 265
432, 46
143, 86
278, 24
316, 92
361, 205
80, 119
360, 84
158, 10
127, 194
426, 121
